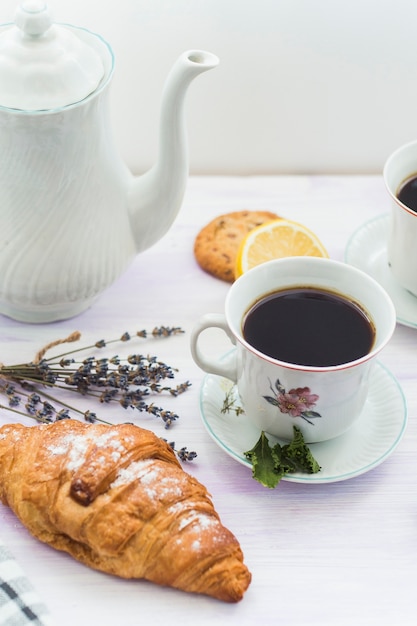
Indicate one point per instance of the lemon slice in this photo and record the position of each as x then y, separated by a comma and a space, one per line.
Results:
274, 240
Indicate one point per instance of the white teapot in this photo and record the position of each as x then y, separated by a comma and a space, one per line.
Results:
72, 216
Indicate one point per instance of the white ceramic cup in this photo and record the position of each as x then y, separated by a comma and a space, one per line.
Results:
336, 394
402, 234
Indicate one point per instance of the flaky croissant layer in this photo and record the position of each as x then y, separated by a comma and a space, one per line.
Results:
117, 499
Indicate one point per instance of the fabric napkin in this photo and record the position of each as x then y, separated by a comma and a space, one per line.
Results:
19, 602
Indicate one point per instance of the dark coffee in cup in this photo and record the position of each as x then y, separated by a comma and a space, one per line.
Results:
407, 193
309, 326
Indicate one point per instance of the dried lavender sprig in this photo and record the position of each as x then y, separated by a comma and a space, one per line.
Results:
158, 331
139, 370
13, 410
47, 413
128, 399
183, 453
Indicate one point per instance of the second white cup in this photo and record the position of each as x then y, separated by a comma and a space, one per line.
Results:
400, 167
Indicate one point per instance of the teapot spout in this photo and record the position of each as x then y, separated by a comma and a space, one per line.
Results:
156, 196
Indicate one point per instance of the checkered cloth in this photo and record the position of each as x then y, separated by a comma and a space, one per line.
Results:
19, 602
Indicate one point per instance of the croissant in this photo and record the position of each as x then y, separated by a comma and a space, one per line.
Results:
117, 499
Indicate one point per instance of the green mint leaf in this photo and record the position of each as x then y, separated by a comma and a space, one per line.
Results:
265, 463
299, 455
270, 464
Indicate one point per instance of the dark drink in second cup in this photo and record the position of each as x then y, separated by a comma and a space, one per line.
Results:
407, 193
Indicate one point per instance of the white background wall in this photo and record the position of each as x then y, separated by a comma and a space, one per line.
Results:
303, 86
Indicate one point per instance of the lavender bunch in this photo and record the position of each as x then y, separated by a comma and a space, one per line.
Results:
31, 388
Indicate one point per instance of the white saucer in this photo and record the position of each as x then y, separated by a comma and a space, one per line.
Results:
369, 442
366, 250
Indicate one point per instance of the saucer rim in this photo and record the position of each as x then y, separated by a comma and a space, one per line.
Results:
310, 478
379, 246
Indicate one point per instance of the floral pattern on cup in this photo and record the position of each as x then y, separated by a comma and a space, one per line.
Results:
295, 402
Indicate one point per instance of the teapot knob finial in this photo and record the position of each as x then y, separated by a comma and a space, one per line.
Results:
33, 18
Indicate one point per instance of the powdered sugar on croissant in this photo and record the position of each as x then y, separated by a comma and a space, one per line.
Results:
117, 499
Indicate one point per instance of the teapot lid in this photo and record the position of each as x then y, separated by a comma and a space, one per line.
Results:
45, 65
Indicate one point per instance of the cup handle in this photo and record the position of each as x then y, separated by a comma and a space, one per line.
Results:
227, 366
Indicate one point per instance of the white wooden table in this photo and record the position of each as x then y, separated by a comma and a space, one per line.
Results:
339, 553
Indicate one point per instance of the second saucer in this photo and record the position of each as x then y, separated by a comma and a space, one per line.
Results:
366, 250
